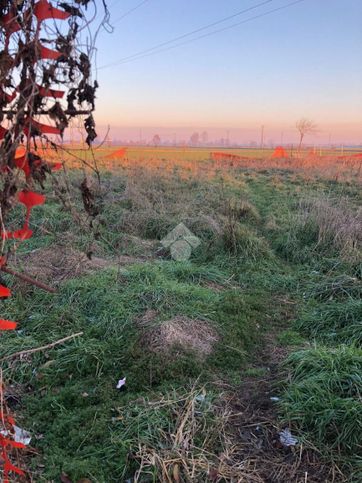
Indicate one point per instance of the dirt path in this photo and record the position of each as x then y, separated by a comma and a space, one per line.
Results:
254, 426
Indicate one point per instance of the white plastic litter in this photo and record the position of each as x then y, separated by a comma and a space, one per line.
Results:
21, 436
287, 439
121, 383
275, 398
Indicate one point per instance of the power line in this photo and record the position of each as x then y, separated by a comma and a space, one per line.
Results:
131, 10
142, 54
192, 32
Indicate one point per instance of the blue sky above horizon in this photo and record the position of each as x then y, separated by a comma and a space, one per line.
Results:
304, 61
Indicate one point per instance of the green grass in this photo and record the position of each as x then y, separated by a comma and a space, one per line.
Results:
323, 395
333, 322
254, 372
290, 337
340, 287
245, 279
78, 430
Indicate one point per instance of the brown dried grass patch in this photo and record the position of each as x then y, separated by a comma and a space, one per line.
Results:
241, 445
194, 335
61, 263
336, 221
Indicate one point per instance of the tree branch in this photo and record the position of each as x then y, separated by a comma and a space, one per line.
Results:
42, 348
28, 279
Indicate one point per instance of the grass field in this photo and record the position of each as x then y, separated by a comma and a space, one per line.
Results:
329, 164
259, 331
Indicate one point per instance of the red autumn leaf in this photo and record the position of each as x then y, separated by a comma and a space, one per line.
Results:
55, 166
9, 467
3, 132
10, 23
7, 418
10, 442
7, 325
44, 10
46, 53
7, 97
4, 291
6, 235
20, 151
42, 128
45, 92
30, 198
22, 163
23, 234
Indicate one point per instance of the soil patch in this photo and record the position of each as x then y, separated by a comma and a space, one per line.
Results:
253, 426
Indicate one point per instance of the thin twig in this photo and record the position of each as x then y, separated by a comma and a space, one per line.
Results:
28, 279
42, 348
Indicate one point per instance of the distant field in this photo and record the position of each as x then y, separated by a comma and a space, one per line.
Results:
209, 162
190, 153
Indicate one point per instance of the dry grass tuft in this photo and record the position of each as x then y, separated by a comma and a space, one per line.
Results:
192, 335
203, 223
271, 223
180, 457
246, 437
61, 263
336, 223
241, 210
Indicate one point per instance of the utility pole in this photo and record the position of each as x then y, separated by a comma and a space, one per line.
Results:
262, 137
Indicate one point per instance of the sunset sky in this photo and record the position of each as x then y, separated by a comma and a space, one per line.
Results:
303, 61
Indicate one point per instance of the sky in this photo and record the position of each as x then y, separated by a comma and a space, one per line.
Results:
302, 61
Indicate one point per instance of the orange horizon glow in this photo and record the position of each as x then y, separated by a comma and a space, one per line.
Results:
275, 133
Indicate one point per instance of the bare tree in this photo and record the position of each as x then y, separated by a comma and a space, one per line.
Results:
194, 139
156, 140
305, 126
